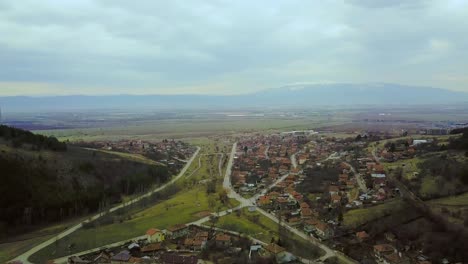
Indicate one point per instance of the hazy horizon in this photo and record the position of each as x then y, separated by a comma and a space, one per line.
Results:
86, 47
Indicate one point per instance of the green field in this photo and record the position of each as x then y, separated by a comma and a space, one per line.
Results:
248, 223
409, 166
256, 225
182, 208
20, 244
458, 200
357, 217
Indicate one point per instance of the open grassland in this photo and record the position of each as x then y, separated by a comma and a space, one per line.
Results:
186, 206
457, 200
248, 223
409, 166
15, 246
185, 129
454, 208
10, 250
129, 156
357, 217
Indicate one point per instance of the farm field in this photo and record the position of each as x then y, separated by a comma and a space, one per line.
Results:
185, 129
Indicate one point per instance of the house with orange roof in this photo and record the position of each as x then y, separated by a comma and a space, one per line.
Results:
306, 213
323, 230
154, 235
362, 236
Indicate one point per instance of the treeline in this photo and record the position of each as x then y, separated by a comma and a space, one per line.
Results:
460, 143
20, 137
40, 191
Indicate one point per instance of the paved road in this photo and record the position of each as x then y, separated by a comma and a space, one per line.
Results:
374, 154
360, 180
25, 256
293, 160
250, 202
266, 152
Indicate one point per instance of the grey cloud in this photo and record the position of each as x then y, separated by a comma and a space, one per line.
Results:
235, 46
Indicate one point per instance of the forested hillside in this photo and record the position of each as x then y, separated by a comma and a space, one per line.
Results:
19, 137
40, 185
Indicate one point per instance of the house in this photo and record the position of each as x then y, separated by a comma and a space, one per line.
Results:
195, 244
379, 182
155, 235
343, 178
134, 248
103, 257
383, 249
223, 240
309, 225
170, 258
77, 260
378, 175
151, 248
122, 257
362, 236
304, 205
294, 221
306, 213
323, 230
333, 189
274, 249
335, 198
392, 258
264, 200
177, 231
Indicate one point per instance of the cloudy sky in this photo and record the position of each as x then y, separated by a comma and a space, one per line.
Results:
228, 47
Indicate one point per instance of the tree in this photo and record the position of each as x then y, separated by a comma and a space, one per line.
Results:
211, 201
392, 147
223, 197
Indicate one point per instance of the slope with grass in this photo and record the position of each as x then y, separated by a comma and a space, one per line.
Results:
357, 217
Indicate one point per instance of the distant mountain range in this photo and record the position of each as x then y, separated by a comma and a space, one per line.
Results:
289, 96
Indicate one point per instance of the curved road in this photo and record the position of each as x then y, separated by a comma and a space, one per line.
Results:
251, 202
25, 256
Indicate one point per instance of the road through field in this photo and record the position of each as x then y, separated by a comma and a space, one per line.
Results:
25, 256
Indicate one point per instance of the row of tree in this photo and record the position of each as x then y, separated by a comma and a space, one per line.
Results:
20, 137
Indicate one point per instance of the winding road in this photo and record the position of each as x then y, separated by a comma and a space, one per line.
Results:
25, 256
251, 202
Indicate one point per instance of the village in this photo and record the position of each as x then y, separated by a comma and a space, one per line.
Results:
308, 181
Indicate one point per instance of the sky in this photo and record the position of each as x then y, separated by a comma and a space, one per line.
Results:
228, 47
